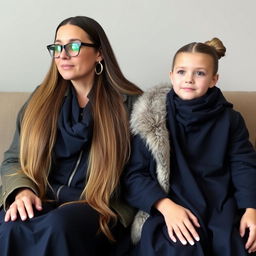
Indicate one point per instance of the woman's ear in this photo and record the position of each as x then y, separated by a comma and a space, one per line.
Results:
214, 80
99, 56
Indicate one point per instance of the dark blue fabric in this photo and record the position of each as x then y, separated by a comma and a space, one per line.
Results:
57, 231
71, 150
193, 113
213, 173
142, 189
73, 134
213, 152
72, 229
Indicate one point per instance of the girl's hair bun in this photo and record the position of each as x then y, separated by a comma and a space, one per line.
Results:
219, 47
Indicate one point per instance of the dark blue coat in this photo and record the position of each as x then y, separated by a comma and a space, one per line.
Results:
213, 173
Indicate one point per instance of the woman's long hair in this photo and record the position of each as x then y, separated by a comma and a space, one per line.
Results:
111, 140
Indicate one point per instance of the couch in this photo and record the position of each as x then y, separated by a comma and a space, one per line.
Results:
10, 103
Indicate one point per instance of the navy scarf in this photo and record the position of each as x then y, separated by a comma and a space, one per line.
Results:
191, 113
74, 127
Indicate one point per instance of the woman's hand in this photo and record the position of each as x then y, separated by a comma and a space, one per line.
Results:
179, 220
248, 220
23, 205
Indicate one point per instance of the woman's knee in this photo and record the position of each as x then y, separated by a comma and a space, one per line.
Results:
73, 217
9, 227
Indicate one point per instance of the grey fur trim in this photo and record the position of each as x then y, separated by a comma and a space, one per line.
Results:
148, 119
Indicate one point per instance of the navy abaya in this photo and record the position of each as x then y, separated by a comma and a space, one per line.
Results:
213, 174
69, 229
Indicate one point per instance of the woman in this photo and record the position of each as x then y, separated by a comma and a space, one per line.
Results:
60, 176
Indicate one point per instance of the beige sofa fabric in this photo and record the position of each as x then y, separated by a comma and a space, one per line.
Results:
245, 103
10, 103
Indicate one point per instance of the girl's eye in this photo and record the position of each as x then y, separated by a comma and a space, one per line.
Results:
200, 73
181, 72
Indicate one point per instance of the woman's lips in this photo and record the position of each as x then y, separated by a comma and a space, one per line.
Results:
67, 66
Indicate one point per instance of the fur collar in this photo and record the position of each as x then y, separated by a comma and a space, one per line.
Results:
148, 119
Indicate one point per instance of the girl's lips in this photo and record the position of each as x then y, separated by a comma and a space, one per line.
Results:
188, 89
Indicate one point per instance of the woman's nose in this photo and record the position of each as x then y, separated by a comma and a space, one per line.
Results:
63, 54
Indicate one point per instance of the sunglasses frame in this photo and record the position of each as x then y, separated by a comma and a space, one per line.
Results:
50, 46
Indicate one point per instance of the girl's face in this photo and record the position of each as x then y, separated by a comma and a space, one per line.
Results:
192, 75
78, 69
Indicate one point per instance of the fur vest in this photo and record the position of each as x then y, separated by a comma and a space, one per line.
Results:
148, 120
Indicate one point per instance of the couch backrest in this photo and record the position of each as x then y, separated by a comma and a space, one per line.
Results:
11, 102
245, 103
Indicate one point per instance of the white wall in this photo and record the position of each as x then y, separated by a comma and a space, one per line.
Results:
145, 34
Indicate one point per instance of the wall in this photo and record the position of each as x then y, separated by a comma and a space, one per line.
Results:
145, 34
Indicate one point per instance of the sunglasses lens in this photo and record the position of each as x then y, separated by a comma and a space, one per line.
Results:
55, 50
73, 49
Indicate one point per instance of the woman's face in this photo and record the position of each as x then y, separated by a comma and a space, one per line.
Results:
78, 69
192, 75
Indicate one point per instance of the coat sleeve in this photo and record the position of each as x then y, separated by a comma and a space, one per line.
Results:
243, 163
11, 176
142, 189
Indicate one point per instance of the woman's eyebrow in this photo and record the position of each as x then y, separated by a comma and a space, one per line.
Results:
70, 40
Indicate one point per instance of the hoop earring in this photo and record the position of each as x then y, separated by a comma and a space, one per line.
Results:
98, 68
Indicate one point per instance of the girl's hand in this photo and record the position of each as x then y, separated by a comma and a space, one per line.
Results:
23, 205
248, 220
179, 220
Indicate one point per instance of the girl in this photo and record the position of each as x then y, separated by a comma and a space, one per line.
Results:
192, 173
69, 149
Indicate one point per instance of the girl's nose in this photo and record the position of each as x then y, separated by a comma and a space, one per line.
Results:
189, 79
